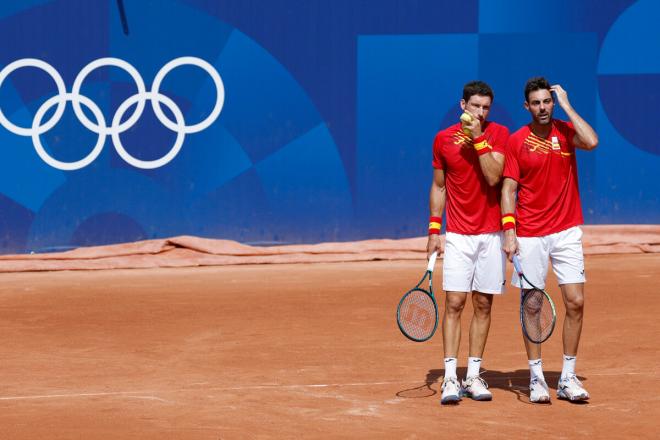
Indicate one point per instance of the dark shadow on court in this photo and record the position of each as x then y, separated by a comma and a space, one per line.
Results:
515, 382
427, 389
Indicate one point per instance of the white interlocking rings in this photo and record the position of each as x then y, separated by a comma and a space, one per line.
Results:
179, 128
117, 126
61, 101
77, 85
61, 90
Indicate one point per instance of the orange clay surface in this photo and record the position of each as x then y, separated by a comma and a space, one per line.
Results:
304, 351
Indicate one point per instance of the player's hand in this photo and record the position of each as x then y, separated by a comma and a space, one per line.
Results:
561, 95
510, 246
474, 126
433, 245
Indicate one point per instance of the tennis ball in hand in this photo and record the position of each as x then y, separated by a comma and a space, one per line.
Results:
466, 118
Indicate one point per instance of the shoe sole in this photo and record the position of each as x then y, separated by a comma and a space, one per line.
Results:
572, 399
541, 400
484, 398
450, 400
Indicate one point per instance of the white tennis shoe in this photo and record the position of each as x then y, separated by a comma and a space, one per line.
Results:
570, 388
450, 391
538, 391
476, 388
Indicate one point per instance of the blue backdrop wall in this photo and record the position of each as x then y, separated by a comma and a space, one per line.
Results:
296, 121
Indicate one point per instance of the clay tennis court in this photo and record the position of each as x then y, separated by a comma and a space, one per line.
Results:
303, 351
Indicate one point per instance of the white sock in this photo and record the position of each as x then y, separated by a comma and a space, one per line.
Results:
536, 369
474, 366
569, 366
450, 368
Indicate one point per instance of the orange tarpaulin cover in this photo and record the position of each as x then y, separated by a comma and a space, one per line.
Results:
186, 251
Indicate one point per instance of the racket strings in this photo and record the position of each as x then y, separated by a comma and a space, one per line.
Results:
538, 317
417, 315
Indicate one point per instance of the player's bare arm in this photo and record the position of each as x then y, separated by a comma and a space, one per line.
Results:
585, 136
508, 204
492, 164
437, 199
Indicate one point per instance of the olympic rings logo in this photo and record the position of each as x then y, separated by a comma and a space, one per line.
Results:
117, 127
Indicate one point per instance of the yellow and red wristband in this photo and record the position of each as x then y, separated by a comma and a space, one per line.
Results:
435, 224
508, 221
481, 145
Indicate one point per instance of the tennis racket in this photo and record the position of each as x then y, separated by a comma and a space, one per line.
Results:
417, 313
537, 311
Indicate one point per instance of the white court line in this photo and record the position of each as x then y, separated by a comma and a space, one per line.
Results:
311, 385
55, 396
150, 394
145, 394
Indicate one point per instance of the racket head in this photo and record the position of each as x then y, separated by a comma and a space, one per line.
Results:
537, 315
417, 315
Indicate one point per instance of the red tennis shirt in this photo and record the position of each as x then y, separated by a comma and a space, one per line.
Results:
472, 206
546, 172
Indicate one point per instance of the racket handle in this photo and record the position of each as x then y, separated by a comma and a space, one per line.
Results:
516, 265
432, 259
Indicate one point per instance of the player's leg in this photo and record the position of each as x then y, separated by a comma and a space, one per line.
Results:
569, 386
480, 325
533, 353
538, 387
488, 281
573, 295
451, 322
534, 253
457, 275
474, 386
568, 264
451, 338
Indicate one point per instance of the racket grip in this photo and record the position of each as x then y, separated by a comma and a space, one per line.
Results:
432, 259
516, 265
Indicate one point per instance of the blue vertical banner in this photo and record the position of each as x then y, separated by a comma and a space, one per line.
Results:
294, 122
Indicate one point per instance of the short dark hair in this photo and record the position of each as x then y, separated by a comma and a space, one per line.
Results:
534, 84
477, 88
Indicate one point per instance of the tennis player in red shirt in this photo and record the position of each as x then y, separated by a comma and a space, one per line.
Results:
543, 224
468, 159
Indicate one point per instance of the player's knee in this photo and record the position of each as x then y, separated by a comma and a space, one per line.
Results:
454, 305
532, 309
575, 304
482, 308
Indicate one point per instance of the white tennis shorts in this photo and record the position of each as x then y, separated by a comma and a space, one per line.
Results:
564, 249
474, 263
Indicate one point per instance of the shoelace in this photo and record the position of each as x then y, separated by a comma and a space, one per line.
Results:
537, 381
452, 381
573, 378
479, 379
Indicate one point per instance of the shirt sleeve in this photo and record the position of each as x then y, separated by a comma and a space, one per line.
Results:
511, 166
500, 140
437, 153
